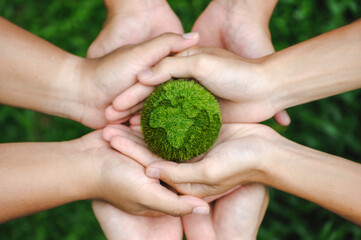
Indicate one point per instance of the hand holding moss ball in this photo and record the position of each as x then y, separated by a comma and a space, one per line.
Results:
180, 120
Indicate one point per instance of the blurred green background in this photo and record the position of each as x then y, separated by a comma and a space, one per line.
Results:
330, 125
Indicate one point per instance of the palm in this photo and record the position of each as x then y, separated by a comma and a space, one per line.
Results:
118, 225
123, 28
234, 29
237, 215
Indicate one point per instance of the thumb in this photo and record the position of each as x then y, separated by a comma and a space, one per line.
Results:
157, 48
168, 202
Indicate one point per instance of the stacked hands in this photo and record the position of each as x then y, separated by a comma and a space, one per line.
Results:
230, 53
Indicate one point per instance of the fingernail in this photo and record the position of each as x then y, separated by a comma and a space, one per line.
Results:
191, 35
145, 74
152, 172
201, 210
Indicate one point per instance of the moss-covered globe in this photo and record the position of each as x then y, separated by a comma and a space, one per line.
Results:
180, 120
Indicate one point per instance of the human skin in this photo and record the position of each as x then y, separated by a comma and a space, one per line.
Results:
38, 176
39, 76
317, 68
238, 26
236, 214
254, 153
133, 22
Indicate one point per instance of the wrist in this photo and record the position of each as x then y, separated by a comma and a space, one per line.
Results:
272, 71
69, 86
85, 169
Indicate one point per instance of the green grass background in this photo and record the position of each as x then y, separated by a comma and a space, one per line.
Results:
330, 125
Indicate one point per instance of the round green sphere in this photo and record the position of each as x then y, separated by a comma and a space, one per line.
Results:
180, 120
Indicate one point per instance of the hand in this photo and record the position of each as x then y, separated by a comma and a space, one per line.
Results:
236, 158
244, 91
237, 215
122, 182
241, 27
107, 77
118, 225
133, 22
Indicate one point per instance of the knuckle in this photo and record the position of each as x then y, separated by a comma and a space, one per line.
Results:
210, 174
200, 65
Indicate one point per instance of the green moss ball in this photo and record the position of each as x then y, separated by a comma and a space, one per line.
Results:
180, 120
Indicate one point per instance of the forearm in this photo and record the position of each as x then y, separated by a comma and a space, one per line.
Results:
329, 181
39, 176
320, 67
35, 74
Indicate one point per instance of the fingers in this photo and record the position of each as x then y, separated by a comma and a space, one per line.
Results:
112, 131
135, 149
135, 120
113, 115
174, 173
180, 67
161, 199
132, 96
282, 118
157, 48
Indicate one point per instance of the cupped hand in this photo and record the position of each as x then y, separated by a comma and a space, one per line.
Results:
119, 225
237, 215
240, 156
134, 22
244, 90
103, 79
242, 28
122, 182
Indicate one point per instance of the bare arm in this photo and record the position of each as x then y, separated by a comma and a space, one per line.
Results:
321, 67
35, 74
39, 176
254, 153
254, 90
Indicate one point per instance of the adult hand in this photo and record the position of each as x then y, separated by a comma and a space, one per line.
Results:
118, 225
133, 22
237, 215
219, 170
105, 78
245, 93
122, 182
237, 158
241, 27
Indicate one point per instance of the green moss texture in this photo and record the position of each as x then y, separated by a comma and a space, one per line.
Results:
180, 120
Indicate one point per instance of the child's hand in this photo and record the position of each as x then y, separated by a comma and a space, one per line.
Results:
122, 182
105, 78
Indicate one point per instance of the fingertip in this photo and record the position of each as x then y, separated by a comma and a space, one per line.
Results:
109, 132
199, 205
191, 35
111, 114
283, 118
135, 120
